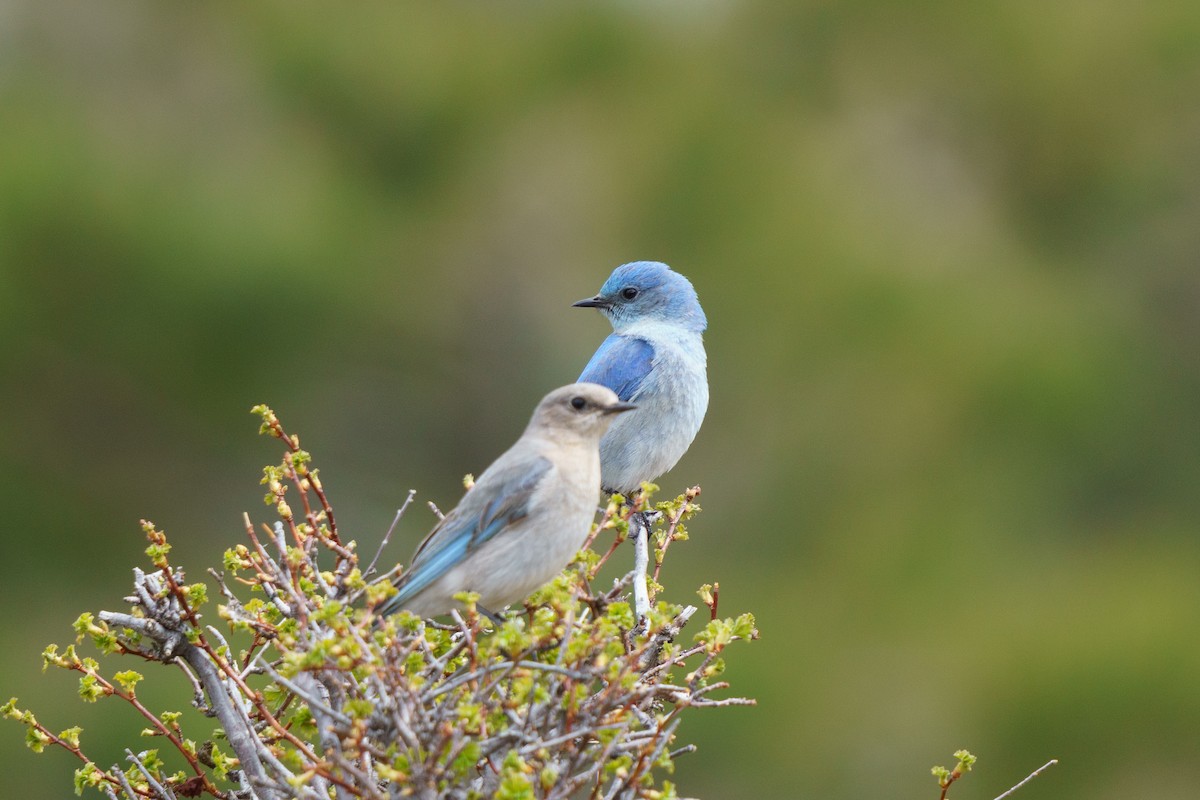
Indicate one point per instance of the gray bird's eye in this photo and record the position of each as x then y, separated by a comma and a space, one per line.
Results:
578, 403
629, 293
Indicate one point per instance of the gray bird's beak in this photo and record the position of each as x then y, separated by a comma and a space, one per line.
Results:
592, 302
618, 408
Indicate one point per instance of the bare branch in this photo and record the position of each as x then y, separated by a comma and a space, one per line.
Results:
1028, 778
370, 570
161, 791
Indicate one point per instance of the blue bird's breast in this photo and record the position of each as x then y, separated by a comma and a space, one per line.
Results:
663, 370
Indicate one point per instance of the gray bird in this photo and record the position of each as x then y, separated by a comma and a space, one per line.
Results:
525, 517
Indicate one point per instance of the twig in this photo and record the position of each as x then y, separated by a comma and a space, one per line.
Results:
125, 785
653, 649
314, 703
293, 445
198, 700
163, 792
606, 514
1028, 778
672, 524
618, 540
370, 570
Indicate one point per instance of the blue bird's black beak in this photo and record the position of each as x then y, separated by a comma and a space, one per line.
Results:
592, 302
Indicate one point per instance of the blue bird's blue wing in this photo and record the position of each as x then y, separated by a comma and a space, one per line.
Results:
621, 363
486, 510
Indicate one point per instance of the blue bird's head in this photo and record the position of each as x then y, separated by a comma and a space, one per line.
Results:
648, 291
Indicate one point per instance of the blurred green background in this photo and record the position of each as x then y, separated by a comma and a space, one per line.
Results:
949, 254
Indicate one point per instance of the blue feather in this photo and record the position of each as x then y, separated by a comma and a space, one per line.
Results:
621, 363
466, 529
434, 567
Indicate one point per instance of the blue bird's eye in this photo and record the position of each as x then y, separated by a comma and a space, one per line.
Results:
578, 403
629, 293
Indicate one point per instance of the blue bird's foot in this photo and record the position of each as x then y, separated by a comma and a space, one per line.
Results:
646, 520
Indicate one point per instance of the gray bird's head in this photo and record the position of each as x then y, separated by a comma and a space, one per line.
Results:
584, 409
648, 291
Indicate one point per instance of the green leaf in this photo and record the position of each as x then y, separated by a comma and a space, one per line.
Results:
468, 599
157, 553
236, 558
470, 715
197, 594
328, 612
222, 763
618, 766
36, 740
89, 775
82, 624
71, 736
128, 680
359, 708
50, 657
90, 689
720, 632
514, 780
378, 592
466, 759
667, 792
151, 760
269, 420
300, 458
621, 613
10, 711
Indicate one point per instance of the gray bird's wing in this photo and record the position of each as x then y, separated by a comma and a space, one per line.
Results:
500, 499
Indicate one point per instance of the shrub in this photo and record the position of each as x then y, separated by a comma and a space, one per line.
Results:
315, 696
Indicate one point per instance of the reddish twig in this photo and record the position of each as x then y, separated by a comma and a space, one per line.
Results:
672, 524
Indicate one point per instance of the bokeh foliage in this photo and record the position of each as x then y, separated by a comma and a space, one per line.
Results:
948, 252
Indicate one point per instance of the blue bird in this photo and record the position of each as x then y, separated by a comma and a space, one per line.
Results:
655, 358
526, 515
